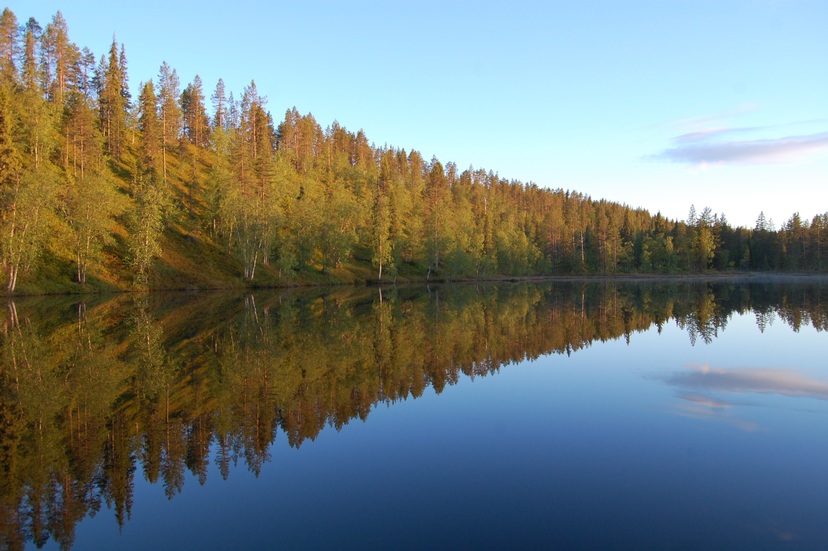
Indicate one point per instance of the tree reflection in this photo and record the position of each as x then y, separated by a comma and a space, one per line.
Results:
90, 393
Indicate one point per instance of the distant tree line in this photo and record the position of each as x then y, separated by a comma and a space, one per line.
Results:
96, 179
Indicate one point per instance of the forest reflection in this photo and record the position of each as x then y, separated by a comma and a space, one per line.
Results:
96, 391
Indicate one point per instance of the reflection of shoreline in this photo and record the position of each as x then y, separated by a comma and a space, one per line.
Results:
621, 278
732, 277
154, 382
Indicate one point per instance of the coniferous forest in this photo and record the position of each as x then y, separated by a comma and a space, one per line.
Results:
182, 187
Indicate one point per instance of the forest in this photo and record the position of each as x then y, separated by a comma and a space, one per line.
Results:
96, 392
102, 190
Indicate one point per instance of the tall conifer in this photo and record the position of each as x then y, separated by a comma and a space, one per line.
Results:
8, 45
113, 104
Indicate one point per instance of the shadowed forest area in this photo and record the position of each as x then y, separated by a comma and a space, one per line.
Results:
96, 393
102, 190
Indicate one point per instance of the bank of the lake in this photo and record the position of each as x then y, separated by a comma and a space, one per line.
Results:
353, 276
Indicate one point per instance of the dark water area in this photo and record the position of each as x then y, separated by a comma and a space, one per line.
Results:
602, 415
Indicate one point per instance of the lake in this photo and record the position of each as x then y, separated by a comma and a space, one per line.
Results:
672, 414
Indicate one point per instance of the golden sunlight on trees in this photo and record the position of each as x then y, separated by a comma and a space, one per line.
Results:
98, 190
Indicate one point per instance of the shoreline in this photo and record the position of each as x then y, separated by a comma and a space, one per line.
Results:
572, 278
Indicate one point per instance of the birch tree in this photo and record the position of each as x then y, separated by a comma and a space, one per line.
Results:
27, 196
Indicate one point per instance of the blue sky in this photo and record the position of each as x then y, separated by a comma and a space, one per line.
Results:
659, 104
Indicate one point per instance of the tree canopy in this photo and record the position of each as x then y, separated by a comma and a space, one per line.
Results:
105, 192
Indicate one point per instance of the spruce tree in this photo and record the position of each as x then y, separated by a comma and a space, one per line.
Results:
219, 106
169, 111
31, 51
196, 123
8, 45
113, 104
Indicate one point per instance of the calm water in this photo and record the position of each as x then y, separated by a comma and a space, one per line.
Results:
628, 416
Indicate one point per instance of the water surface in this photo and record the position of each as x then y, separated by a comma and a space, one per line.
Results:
604, 415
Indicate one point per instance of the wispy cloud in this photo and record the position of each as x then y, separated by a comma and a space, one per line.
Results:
706, 413
711, 133
698, 148
712, 140
705, 401
783, 382
705, 121
711, 393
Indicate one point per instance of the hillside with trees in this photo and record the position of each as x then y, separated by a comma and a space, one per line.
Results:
181, 187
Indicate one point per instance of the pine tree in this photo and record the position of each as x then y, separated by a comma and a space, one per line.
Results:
82, 76
122, 64
761, 222
169, 111
8, 46
196, 123
38, 128
82, 137
150, 193
232, 113
150, 128
219, 106
113, 103
58, 57
30, 72
705, 240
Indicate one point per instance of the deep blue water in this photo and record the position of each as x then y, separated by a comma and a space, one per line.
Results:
654, 444
598, 416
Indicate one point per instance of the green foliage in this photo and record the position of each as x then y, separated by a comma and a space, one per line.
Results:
27, 210
146, 223
113, 101
168, 196
91, 206
248, 198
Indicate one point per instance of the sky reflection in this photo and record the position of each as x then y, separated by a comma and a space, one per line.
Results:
750, 380
495, 417
709, 393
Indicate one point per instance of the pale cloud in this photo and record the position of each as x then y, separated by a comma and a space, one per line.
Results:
700, 389
696, 136
714, 416
697, 406
712, 140
698, 148
705, 401
784, 382
705, 121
